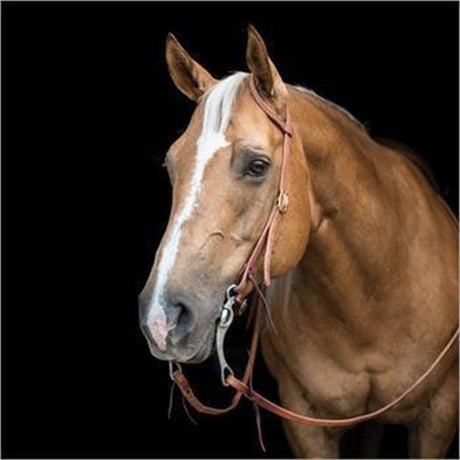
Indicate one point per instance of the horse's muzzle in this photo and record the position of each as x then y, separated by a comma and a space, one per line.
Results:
173, 331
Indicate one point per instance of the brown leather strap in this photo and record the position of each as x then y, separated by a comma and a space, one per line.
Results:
284, 125
187, 391
188, 394
305, 420
280, 205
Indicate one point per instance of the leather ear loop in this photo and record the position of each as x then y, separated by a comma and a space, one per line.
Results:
280, 206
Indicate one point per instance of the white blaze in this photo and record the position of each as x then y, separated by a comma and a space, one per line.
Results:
216, 116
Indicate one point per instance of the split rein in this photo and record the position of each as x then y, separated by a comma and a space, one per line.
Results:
243, 386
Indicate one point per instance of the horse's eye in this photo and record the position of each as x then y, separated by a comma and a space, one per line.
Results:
257, 168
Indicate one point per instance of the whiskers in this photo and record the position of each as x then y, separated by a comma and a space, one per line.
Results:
184, 405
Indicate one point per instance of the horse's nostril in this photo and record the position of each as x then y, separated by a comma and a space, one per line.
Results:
181, 319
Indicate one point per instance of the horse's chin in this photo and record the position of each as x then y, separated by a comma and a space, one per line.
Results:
203, 350
201, 355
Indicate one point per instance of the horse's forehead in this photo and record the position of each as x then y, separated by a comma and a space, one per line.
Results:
246, 122
250, 122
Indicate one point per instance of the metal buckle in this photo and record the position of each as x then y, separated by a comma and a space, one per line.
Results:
226, 315
225, 320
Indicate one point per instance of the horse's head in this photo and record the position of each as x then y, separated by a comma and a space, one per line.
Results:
224, 170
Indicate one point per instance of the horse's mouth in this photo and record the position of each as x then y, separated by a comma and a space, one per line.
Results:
202, 354
205, 349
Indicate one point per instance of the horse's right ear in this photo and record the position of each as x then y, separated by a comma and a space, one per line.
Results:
267, 78
189, 77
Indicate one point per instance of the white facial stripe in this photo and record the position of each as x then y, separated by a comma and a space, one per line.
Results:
216, 116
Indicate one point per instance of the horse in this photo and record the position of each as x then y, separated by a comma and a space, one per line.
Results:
364, 263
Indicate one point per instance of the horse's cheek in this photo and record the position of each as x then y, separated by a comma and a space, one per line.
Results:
291, 239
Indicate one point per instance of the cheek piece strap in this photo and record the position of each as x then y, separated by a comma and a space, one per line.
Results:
243, 386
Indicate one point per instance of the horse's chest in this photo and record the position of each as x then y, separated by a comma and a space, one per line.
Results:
328, 388
332, 389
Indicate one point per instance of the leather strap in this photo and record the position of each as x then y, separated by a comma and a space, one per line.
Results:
281, 202
187, 391
305, 420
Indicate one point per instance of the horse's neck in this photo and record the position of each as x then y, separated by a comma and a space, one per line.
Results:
347, 255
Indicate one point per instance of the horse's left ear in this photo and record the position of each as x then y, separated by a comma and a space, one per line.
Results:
189, 76
267, 78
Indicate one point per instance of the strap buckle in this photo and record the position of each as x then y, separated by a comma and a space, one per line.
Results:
282, 201
226, 315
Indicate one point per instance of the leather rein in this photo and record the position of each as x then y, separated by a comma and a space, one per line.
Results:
243, 386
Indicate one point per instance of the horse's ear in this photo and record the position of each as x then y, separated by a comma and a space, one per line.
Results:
189, 77
267, 78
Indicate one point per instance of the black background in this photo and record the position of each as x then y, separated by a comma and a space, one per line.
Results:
88, 113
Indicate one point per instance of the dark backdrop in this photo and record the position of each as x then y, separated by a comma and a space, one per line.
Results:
88, 114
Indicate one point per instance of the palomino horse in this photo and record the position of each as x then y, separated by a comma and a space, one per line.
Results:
363, 258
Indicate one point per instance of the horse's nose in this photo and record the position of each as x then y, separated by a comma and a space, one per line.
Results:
181, 319
171, 320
